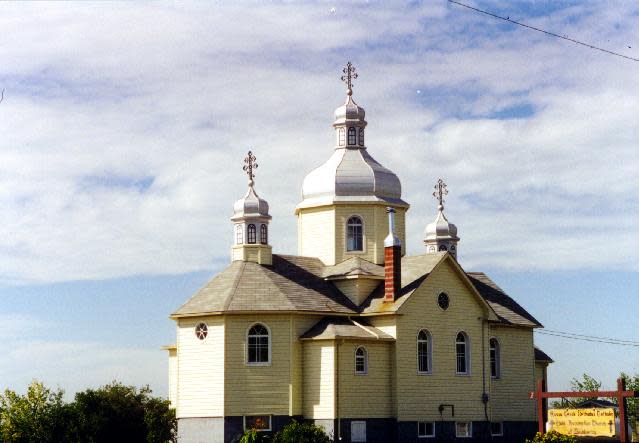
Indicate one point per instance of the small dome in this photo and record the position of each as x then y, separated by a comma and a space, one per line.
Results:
349, 112
440, 229
250, 206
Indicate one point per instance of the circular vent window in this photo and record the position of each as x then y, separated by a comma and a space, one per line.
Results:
443, 301
201, 331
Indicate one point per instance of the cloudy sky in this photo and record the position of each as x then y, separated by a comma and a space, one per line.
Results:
123, 129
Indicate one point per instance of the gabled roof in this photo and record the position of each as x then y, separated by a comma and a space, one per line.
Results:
344, 327
291, 284
542, 356
354, 266
507, 309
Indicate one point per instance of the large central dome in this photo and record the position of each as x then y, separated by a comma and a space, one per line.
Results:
350, 174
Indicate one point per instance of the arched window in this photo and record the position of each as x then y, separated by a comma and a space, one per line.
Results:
354, 234
264, 235
462, 351
442, 248
352, 135
495, 358
258, 345
342, 136
239, 235
361, 136
251, 234
424, 352
361, 361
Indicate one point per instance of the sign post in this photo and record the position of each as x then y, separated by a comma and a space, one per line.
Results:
620, 394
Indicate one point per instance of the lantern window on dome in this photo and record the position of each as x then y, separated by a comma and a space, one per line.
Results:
442, 248
264, 234
352, 135
342, 136
361, 136
354, 234
251, 234
239, 235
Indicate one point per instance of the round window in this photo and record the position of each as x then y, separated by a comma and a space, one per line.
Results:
443, 301
201, 331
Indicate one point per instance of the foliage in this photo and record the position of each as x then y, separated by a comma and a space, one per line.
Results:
552, 437
632, 384
296, 432
587, 383
101, 415
39, 416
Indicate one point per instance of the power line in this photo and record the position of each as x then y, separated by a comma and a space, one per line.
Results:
594, 340
634, 342
564, 37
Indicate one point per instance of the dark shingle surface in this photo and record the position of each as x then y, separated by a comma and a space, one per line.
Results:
291, 284
542, 356
507, 309
354, 266
344, 327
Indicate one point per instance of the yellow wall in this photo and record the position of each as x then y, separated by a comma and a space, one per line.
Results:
369, 395
357, 289
420, 395
200, 365
173, 377
319, 379
541, 373
322, 231
509, 393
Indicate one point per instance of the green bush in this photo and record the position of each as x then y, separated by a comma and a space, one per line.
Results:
301, 433
253, 436
552, 437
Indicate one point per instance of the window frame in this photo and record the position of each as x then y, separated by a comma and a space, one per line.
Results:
239, 235
466, 344
361, 234
270, 346
365, 356
203, 333
270, 422
263, 234
360, 141
342, 136
425, 435
501, 428
251, 234
351, 135
361, 423
496, 360
429, 352
470, 429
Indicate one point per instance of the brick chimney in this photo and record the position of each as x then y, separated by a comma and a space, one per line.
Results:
392, 260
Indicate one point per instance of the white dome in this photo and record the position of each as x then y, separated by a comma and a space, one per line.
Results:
250, 206
440, 229
349, 112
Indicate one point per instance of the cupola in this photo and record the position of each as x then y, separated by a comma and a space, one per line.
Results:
250, 222
441, 235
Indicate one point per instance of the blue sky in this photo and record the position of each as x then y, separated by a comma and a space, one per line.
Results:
125, 125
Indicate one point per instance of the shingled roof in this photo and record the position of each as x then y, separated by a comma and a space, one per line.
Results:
542, 356
354, 266
344, 327
291, 284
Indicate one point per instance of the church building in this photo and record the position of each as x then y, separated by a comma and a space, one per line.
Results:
352, 334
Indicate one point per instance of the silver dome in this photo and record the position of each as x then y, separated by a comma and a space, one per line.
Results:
348, 112
250, 206
440, 229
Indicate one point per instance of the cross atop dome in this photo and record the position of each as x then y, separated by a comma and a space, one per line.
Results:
249, 166
441, 235
440, 192
348, 77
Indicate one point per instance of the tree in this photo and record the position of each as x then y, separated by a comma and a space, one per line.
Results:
39, 416
116, 412
587, 383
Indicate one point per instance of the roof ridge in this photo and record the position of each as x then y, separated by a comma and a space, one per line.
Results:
364, 328
236, 283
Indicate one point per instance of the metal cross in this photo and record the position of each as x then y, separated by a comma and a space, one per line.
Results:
250, 165
440, 191
349, 76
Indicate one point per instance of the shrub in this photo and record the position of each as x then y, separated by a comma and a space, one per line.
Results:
296, 432
552, 437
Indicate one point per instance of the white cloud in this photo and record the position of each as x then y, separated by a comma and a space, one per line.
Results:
99, 99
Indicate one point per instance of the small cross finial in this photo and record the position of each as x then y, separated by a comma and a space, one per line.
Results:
348, 77
249, 166
440, 192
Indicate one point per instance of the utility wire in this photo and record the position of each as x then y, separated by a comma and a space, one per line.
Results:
595, 340
634, 342
552, 34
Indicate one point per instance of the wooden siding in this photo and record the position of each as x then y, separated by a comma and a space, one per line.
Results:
301, 323
419, 396
200, 367
316, 233
357, 289
173, 377
541, 373
385, 323
319, 379
253, 389
369, 395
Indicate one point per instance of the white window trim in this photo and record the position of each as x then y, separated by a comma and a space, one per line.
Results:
426, 435
429, 351
501, 429
270, 346
365, 437
365, 360
470, 429
346, 251
270, 422
497, 376
468, 361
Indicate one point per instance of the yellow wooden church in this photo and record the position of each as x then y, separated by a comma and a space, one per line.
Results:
352, 334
